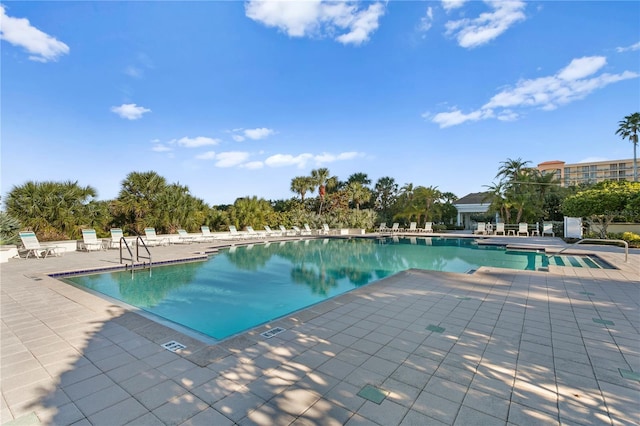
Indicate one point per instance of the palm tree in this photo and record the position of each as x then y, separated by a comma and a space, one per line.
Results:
358, 193
321, 180
301, 185
511, 169
628, 129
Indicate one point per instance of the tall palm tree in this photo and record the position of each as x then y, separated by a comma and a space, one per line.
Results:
511, 169
628, 129
358, 193
320, 178
301, 185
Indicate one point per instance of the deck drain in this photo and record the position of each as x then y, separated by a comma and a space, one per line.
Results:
273, 332
603, 321
587, 293
373, 394
173, 346
435, 328
628, 374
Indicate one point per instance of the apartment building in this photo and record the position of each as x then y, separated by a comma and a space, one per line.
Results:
592, 172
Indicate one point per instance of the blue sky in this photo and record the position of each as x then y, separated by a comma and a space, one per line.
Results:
236, 98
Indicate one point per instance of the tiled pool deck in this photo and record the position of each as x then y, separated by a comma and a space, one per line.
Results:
419, 348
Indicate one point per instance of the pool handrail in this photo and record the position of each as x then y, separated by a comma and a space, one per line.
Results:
626, 246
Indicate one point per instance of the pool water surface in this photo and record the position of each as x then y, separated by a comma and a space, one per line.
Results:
243, 287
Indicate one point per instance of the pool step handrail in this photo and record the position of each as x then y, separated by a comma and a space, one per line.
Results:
139, 241
592, 240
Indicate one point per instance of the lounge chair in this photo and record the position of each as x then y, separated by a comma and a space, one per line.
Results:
428, 227
307, 230
271, 233
395, 227
287, 232
328, 231
152, 239
383, 227
114, 241
234, 234
251, 233
185, 238
523, 228
547, 228
296, 230
480, 228
206, 234
33, 246
413, 227
90, 240
499, 229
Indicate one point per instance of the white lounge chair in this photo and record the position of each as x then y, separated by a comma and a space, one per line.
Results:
251, 233
428, 227
287, 232
235, 234
480, 228
271, 233
523, 228
383, 227
328, 231
33, 246
296, 230
152, 239
184, 237
307, 230
206, 234
90, 240
395, 227
547, 228
499, 229
413, 227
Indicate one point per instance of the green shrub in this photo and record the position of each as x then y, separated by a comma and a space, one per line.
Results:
9, 228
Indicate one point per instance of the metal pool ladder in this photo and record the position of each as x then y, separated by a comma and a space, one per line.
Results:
139, 242
592, 240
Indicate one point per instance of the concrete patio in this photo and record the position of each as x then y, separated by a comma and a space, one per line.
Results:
494, 347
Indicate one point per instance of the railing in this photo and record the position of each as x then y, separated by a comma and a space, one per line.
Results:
139, 242
591, 240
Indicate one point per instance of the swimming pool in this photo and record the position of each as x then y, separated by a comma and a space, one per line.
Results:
243, 287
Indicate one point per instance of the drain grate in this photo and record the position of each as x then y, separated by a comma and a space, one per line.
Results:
273, 332
173, 346
373, 394
435, 328
603, 321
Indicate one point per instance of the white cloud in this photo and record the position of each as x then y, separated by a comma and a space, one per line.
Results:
281, 160
345, 21
426, 21
130, 111
237, 138
259, 133
134, 72
161, 148
231, 158
573, 82
631, 48
489, 25
253, 165
195, 142
449, 5
41, 46
209, 155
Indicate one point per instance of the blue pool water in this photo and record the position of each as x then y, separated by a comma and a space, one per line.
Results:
243, 287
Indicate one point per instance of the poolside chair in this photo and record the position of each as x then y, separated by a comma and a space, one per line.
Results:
271, 233
287, 232
185, 238
383, 227
152, 239
90, 240
33, 246
547, 228
480, 228
328, 231
412, 227
523, 228
234, 234
116, 234
499, 229
206, 234
307, 230
428, 227
395, 227
296, 230
251, 233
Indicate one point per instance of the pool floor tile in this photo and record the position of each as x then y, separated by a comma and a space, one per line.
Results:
373, 394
